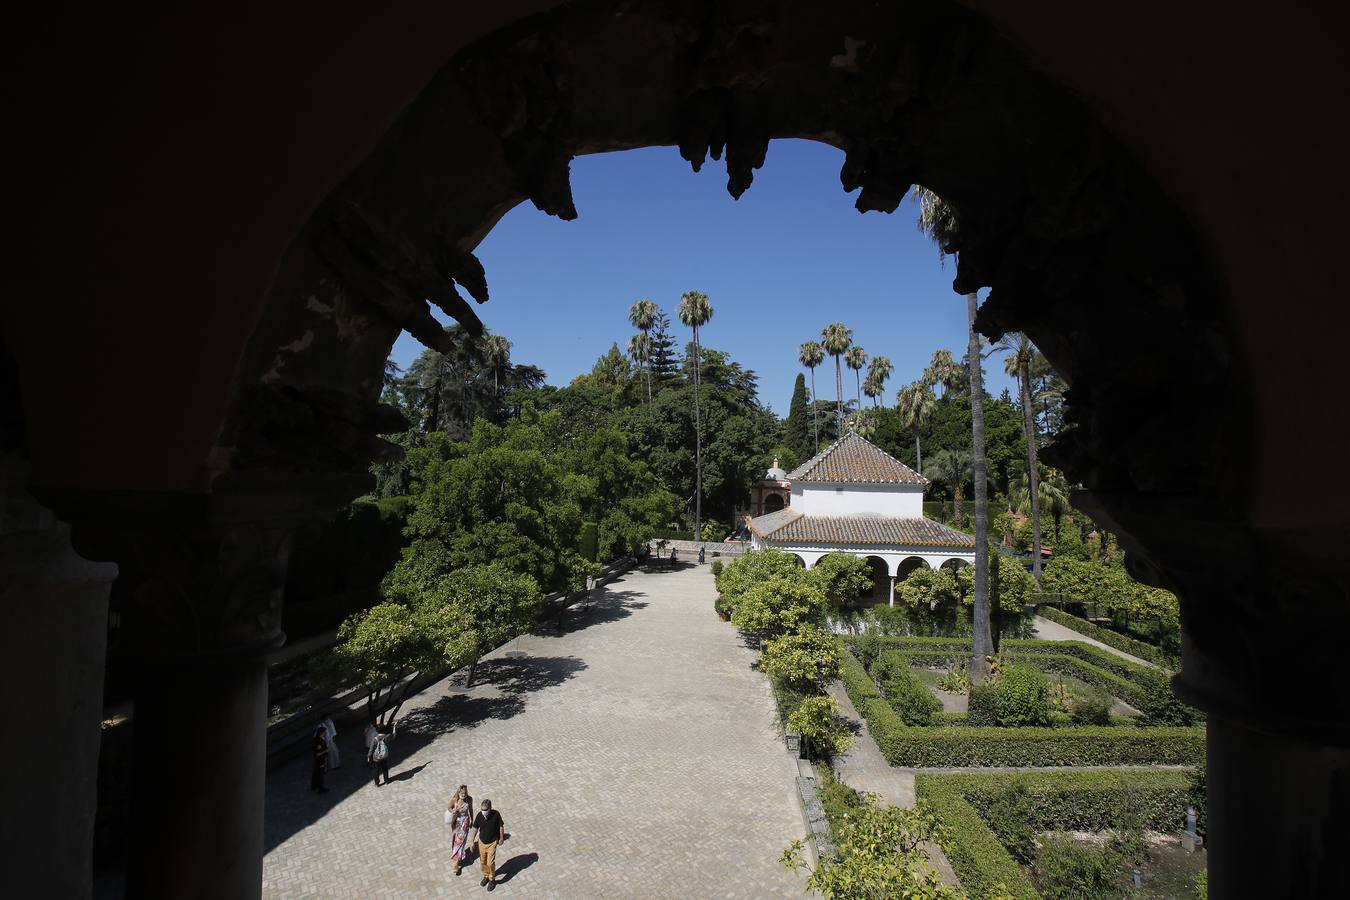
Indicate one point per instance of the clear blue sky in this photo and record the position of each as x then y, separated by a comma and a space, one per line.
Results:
779, 264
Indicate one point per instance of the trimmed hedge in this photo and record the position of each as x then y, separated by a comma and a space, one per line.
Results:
1142, 687
1109, 637
910, 697
1082, 745
1081, 801
943, 745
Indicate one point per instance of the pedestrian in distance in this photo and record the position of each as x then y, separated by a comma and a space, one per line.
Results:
319, 752
379, 750
334, 760
489, 832
459, 816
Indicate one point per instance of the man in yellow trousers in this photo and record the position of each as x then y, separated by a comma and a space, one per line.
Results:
489, 831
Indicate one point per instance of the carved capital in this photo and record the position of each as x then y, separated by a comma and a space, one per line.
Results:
1265, 613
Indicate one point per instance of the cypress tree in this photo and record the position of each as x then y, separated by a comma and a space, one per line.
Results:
797, 430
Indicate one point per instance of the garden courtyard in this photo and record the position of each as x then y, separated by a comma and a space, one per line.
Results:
635, 755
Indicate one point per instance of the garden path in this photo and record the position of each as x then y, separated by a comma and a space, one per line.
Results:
1053, 631
635, 755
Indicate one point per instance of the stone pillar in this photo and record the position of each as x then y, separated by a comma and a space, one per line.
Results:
1277, 815
1264, 614
892, 594
203, 576
55, 609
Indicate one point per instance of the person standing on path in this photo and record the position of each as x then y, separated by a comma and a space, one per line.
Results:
319, 750
379, 750
459, 814
330, 731
489, 831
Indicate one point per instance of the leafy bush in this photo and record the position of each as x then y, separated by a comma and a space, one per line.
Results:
1159, 702
740, 575
1202, 885
1091, 708
1198, 796
716, 568
777, 606
842, 577
722, 605
866, 649
818, 721
956, 680
911, 698
806, 659
982, 707
713, 531
1021, 697
1066, 870
1087, 745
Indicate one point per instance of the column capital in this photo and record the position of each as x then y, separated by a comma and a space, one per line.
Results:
1265, 612
202, 574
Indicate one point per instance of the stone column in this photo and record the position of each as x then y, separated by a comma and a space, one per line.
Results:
55, 608
892, 594
1265, 614
204, 576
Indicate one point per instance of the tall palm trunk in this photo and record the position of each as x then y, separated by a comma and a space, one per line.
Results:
857, 386
839, 397
648, 366
815, 410
698, 445
1033, 473
983, 637
918, 451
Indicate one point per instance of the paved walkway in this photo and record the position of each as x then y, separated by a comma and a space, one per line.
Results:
1053, 631
636, 755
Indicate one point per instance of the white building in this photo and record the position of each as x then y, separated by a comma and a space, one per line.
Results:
854, 497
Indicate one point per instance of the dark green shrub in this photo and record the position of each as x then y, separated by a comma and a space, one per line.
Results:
866, 648
911, 698
1165, 655
722, 605
1198, 796
588, 542
1159, 703
716, 567
1010, 816
983, 704
1022, 697
1202, 885
1078, 745
1068, 871
1091, 709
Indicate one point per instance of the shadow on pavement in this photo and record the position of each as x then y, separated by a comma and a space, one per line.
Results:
515, 865
291, 806
603, 606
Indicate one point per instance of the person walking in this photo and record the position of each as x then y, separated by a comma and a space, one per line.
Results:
459, 816
334, 760
489, 831
379, 750
319, 751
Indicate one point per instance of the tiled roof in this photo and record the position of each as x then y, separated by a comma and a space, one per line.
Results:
855, 460
790, 526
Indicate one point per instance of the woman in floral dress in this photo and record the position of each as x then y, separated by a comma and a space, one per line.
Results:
459, 813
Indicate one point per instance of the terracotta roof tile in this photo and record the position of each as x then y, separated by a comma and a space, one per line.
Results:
855, 460
789, 526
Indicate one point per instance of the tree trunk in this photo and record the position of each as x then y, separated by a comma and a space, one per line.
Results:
473, 667
838, 398
857, 387
1033, 473
698, 446
648, 366
918, 451
983, 638
815, 410
958, 504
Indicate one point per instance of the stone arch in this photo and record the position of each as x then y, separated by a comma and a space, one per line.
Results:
953, 564
910, 564
801, 560
773, 502
881, 578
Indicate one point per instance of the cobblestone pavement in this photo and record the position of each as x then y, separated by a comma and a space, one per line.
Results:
635, 755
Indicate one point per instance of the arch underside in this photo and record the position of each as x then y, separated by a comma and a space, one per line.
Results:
1079, 247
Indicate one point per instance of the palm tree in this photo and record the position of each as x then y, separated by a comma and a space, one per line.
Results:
1018, 364
943, 370
916, 404
643, 315
855, 358
496, 353
940, 221
1052, 493
640, 348
879, 371
836, 338
695, 311
953, 468
872, 387
810, 355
